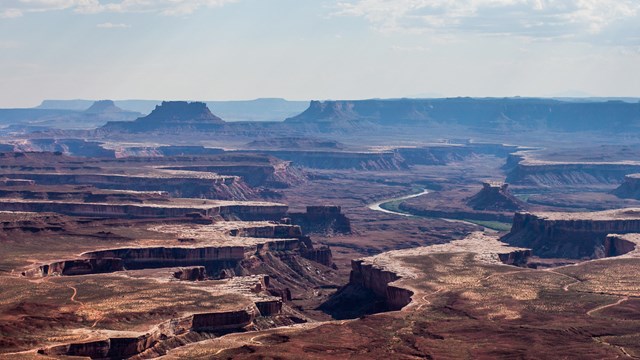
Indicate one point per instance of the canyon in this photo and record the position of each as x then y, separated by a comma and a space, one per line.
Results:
408, 228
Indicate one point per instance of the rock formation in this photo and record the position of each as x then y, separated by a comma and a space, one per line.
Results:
176, 115
489, 113
495, 196
322, 220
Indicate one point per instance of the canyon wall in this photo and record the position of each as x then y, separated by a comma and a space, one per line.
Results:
376, 279
221, 188
322, 220
229, 211
572, 237
567, 174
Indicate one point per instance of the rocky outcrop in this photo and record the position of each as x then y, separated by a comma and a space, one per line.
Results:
495, 196
630, 188
571, 235
170, 115
322, 220
197, 273
515, 258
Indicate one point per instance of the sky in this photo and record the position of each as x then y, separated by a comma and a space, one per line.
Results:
316, 49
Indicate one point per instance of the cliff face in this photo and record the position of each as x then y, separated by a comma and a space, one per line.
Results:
322, 220
561, 174
230, 211
377, 280
221, 188
618, 245
630, 188
490, 114
572, 237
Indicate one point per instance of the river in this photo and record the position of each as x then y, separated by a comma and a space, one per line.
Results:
377, 206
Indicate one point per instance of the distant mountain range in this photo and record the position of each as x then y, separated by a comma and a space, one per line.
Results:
95, 114
271, 109
380, 116
495, 115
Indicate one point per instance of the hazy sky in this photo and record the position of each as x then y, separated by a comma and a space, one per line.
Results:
316, 49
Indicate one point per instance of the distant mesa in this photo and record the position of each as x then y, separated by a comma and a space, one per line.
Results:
481, 113
495, 196
172, 115
102, 107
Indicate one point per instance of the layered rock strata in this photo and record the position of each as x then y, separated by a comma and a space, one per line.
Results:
178, 184
571, 235
523, 169
322, 220
230, 210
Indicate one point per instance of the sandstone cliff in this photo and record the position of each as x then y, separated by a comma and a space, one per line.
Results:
322, 220
571, 235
